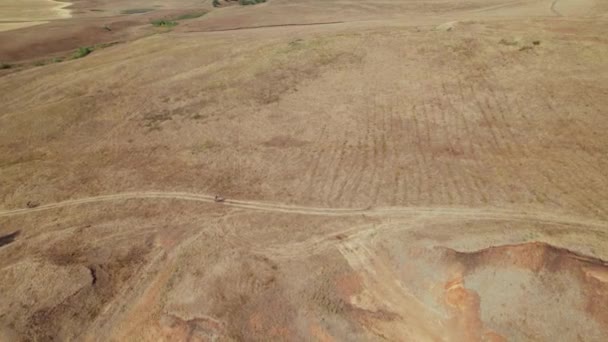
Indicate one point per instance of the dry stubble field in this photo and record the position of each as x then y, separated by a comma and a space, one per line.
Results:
394, 170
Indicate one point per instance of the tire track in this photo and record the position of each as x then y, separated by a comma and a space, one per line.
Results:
440, 154
461, 126
315, 161
376, 148
484, 111
497, 89
326, 169
418, 155
396, 140
357, 152
472, 135
268, 26
490, 80
402, 153
381, 150
369, 155
352, 190
427, 165
337, 174
451, 188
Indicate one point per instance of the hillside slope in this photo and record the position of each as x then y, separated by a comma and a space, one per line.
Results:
392, 170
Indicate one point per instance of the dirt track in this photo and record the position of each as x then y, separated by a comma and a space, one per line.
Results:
394, 170
468, 213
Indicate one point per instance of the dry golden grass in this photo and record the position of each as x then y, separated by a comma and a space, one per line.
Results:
18, 25
391, 176
33, 10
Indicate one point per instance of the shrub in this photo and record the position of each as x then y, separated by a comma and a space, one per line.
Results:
5, 66
250, 2
82, 51
216, 3
163, 23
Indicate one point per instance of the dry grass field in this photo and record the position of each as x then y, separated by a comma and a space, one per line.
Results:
393, 170
16, 14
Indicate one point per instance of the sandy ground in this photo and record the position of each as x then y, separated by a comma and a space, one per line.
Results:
393, 170
17, 25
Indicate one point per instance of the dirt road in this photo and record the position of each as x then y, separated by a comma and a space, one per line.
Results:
468, 213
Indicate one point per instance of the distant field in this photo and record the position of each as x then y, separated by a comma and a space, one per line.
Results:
16, 14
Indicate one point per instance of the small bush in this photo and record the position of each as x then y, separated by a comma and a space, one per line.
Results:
5, 66
250, 2
82, 51
163, 23
216, 3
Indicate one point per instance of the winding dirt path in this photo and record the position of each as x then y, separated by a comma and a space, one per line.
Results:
483, 213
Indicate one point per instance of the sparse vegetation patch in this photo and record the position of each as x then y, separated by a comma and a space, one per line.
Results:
218, 3
250, 2
163, 23
83, 51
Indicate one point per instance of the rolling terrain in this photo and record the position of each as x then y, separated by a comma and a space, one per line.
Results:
393, 170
